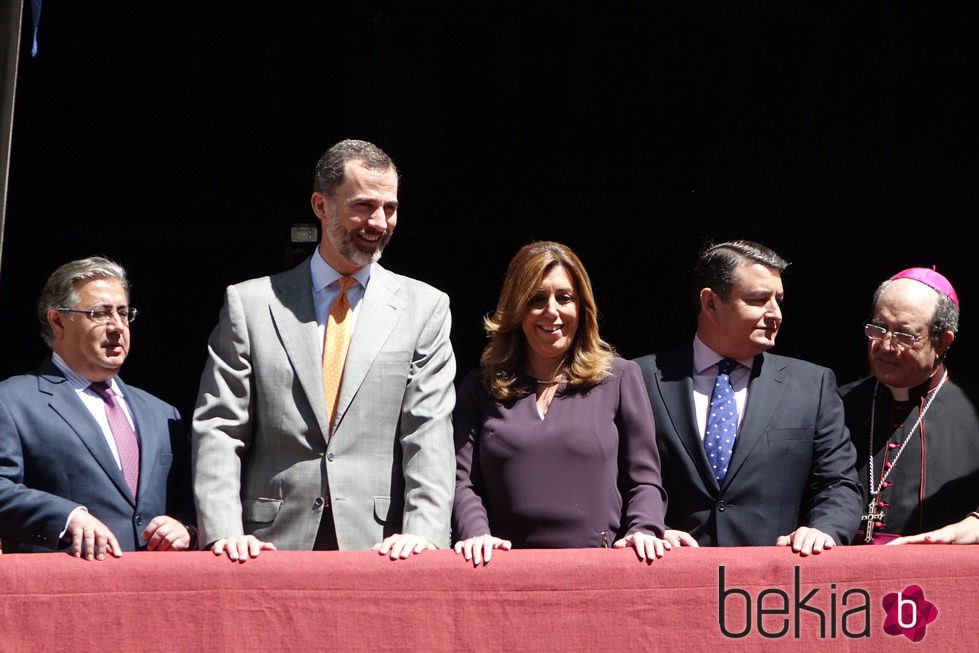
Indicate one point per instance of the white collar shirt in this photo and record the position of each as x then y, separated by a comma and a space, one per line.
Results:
705, 361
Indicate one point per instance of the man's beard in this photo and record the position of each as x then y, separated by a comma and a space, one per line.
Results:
344, 243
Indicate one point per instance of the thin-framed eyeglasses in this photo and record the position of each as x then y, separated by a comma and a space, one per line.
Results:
898, 338
104, 315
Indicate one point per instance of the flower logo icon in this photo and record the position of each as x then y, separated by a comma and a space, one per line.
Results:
908, 613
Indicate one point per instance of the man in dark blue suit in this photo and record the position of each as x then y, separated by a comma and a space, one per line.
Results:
89, 464
753, 446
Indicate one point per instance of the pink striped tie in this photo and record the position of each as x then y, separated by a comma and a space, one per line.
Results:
126, 443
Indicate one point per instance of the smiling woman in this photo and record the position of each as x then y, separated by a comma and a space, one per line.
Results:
555, 444
549, 326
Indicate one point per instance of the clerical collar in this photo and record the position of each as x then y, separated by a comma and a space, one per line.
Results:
915, 393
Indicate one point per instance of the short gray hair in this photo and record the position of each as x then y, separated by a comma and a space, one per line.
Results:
332, 166
59, 291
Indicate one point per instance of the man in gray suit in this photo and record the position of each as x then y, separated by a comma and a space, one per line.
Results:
272, 468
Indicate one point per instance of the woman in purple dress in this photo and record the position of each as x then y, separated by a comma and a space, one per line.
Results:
555, 442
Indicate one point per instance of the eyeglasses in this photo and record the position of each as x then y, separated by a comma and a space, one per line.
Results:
898, 338
105, 315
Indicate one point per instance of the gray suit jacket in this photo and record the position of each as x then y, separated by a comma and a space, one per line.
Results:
793, 462
263, 462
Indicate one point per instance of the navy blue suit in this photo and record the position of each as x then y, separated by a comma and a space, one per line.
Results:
54, 458
792, 465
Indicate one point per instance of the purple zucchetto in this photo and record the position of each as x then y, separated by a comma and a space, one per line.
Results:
931, 278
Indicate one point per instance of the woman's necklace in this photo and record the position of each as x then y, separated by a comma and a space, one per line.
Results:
872, 516
546, 389
555, 381
545, 396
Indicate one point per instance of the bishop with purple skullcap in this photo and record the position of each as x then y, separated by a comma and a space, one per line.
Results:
930, 277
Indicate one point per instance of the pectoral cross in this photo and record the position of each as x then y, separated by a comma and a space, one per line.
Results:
871, 518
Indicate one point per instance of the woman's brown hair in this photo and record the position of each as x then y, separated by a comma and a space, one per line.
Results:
589, 360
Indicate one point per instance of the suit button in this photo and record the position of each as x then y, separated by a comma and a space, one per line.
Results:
329, 456
318, 503
721, 506
139, 520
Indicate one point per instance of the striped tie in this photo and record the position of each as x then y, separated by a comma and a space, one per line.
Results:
122, 432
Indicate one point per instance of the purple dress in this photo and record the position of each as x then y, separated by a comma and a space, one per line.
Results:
585, 475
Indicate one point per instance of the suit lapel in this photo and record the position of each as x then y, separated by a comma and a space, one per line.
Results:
62, 399
676, 388
294, 317
379, 312
765, 389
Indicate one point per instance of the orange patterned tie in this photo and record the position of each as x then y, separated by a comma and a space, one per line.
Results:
335, 345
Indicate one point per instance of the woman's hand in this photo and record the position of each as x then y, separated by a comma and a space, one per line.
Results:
479, 549
647, 547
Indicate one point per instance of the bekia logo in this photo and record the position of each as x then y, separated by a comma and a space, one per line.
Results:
832, 612
908, 613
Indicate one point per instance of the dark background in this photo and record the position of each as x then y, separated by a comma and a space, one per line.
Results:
180, 138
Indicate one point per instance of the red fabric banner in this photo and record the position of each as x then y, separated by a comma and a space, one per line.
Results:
766, 598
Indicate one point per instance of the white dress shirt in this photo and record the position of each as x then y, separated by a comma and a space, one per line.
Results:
705, 370
95, 404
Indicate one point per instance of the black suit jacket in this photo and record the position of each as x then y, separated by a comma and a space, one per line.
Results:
792, 465
54, 458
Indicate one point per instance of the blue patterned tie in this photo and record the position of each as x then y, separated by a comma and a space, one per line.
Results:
722, 422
